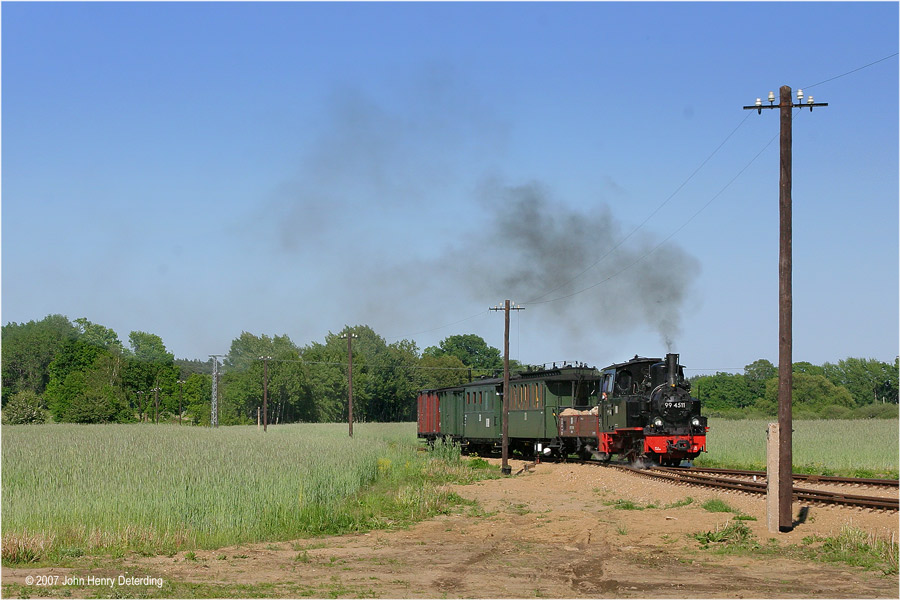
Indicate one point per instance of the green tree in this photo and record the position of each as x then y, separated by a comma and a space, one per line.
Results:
868, 380
86, 385
103, 398
441, 371
98, 335
27, 351
149, 366
242, 381
149, 347
471, 350
722, 391
197, 399
756, 374
393, 382
67, 376
810, 394
808, 368
385, 378
325, 379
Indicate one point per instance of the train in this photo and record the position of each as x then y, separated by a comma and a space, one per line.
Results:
638, 410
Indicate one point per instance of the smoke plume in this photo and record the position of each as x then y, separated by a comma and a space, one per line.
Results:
578, 265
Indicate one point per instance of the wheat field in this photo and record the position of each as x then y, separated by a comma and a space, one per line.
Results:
164, 488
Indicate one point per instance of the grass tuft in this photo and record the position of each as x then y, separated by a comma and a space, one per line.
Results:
717, 505
734, 535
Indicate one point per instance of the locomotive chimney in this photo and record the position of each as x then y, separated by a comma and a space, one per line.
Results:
671, 369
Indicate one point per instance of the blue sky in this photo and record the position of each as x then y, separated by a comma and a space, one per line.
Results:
200, 169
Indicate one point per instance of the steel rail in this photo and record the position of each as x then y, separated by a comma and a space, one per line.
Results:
756, 487
797, 476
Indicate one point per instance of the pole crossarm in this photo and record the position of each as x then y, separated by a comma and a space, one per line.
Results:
759, 109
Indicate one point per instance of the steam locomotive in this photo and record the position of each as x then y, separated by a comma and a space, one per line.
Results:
640, 409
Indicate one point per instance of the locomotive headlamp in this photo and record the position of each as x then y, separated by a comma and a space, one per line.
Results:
695, 422
657, 422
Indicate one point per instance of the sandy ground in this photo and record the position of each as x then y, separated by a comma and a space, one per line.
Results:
550, 532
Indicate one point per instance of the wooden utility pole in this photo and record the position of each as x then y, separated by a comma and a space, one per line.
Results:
156, 404
505, 469
265, 360
782, 484
140, 395
180, 397
349, 337
785, 320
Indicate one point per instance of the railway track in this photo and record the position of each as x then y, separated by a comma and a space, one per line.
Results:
753, 482
728, 481
825, 479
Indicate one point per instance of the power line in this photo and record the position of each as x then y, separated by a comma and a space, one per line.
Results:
853, 71
644, 222
671, 235
394, 337
535, 300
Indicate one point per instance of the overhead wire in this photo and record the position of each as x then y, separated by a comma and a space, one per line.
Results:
537, 300
671, 235
853, 71
681, 186
592, 265
646, 220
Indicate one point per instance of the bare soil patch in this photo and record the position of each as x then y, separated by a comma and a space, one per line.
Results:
554, 531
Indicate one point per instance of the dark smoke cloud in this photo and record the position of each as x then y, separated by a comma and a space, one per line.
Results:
542, 253
413, 171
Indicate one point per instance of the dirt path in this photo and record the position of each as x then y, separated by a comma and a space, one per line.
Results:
553, 532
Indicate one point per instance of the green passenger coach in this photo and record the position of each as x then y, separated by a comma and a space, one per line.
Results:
471, 414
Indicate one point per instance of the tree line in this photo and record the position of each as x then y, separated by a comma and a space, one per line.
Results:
850, 388
79, 371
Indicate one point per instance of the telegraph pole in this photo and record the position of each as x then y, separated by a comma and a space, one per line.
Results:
140, 395
782, 485
265, 360
180, 395
349, 337
505, 469
156, 404
214, 406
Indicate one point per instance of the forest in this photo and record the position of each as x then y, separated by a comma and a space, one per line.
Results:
58, 370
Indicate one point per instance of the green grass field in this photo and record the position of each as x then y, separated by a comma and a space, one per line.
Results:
159, 489
860, 448
78, 489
